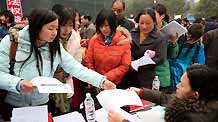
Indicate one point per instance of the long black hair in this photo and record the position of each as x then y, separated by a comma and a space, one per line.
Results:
64, 17
161, 9
37, 19
74, 14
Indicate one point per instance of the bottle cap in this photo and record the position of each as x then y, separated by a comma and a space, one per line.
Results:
88, 95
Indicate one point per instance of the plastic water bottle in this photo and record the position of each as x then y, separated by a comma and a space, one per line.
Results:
89, 108
156, 84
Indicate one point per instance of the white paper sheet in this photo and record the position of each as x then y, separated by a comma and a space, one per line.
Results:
101, 115
70, 117
144, 60
118, 98
54, 88
45, 80
30, 114
51, 85
114, 99
25, 119
172, 28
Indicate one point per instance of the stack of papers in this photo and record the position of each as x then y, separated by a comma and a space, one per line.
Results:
30, 114
70, 117
51, 85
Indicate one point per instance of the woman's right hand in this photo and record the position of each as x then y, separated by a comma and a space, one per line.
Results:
27, 86
108, 85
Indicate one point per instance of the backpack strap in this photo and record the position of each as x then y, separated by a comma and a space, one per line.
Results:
12, 55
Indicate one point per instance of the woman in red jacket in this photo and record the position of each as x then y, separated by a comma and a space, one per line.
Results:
109, 51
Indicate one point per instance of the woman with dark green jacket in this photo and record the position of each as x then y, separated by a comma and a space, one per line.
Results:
163, 71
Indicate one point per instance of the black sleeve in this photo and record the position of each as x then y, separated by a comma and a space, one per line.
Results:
161, 51
206, 41
156, 96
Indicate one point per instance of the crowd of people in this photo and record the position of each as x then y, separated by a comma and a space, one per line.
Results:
93, 56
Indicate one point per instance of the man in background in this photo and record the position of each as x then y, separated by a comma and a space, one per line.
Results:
118, 6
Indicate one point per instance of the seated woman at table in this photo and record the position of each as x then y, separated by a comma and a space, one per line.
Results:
196, 98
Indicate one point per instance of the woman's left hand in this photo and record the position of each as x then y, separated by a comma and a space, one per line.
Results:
108, 85
114, 117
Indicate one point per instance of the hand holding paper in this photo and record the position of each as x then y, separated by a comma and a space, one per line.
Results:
114, 99
108, 85
27, 86
172, 28
118, 98
144, 60
150, 53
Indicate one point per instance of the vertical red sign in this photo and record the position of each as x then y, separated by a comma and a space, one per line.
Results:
15, 7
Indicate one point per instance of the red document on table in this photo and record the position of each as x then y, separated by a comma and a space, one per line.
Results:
146, 106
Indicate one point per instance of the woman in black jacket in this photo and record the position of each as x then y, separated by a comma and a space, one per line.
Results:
196, 98
145, 37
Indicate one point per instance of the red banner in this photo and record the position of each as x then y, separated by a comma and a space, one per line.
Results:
15, 7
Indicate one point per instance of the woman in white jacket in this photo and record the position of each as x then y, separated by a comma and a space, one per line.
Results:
38, 54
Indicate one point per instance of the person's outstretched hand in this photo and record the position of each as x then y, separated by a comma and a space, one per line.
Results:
137, 90
108, 85
27, 86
